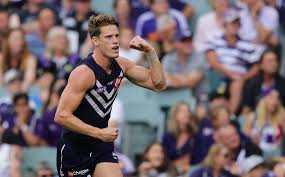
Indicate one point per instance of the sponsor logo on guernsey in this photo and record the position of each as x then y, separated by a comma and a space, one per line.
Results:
77, 173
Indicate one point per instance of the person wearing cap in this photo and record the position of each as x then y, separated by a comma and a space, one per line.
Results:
185, 68
233, 57
12, 83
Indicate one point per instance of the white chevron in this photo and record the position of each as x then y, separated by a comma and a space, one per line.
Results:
96, 108
108, 95
101, 100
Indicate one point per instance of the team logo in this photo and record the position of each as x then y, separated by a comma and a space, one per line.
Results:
101, 89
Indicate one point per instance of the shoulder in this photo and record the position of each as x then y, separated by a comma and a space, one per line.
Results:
269, 11
124, 63
146, 17
82, 77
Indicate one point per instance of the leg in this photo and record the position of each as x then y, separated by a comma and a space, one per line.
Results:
107, 169
236, 87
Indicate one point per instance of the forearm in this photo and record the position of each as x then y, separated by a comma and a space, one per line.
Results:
31, 139
194, 78
73, 123
156, 71
252, 72
263, 34
15, 162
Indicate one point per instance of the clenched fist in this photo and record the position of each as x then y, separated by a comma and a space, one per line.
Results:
109, 134
140, 44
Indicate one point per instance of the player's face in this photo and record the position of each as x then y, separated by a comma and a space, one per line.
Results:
108, 41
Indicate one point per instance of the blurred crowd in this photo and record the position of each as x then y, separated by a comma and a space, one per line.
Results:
229, 57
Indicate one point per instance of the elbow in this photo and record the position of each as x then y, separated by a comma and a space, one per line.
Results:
59, 117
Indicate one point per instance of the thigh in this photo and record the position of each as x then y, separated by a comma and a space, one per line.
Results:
107, 169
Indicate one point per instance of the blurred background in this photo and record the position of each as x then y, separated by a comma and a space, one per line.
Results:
222, 114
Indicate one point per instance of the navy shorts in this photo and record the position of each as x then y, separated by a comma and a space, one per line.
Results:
73, 162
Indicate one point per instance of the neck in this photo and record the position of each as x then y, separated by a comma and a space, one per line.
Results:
80, 16
182, 57
32, 7
216, 171
267, 80
58, 53
102, 60
231, 38
42, 34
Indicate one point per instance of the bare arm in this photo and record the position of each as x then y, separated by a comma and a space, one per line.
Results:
30, 72
31, 139
80, 80
180, 80
213, 62
252, 72
15, 156
152, 78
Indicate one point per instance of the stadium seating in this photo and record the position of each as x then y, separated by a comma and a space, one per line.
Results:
33, 157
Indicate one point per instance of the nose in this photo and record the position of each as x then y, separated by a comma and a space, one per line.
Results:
115, 40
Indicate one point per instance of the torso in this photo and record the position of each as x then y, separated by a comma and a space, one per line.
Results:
96, 105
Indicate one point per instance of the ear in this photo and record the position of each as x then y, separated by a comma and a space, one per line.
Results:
95, 40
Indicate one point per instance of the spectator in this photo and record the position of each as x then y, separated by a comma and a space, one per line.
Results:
210, 24
126, 35
17, 56
166, 30
254, 166
259, 23
27, 17
204, 136
185, 68
178, 138
25, 122
146, 25
4, 26
139, 7
36, 40
214, 164
44, 170
183, 7
57, 55
155, 163
46, 128
239, 148
267, 80
220, 116
266, 125
77, 22
233, 57
64, 8
10, 154
13, 85
123, 13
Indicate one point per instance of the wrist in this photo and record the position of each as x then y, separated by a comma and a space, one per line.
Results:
24, 128
96, 133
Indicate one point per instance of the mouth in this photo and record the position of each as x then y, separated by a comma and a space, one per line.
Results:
115, 48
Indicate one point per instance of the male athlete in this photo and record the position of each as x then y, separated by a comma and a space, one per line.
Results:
86, 148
